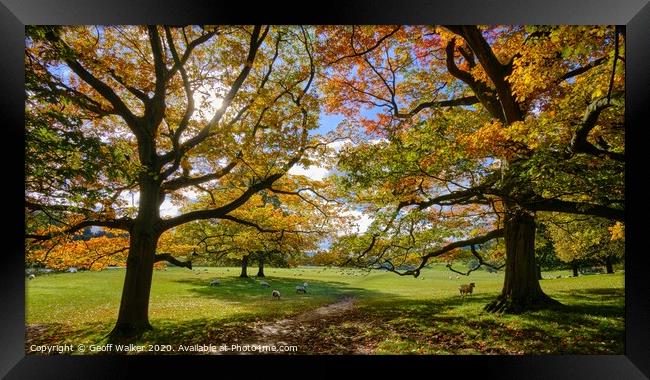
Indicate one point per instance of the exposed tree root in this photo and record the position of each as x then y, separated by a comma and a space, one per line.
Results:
510, 305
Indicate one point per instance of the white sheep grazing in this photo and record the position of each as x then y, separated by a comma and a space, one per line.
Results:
305, 284
265, 284
275, 294
31, 277
215, 282
301, 289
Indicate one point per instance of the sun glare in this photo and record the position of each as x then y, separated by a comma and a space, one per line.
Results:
207, 101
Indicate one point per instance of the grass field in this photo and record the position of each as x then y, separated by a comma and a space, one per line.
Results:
392, 314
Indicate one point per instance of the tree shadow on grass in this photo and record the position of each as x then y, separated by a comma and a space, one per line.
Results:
589, 323
437, 325
53, 334
431, 324
250, 290
396, 306
202, 331
596, 302
596, 294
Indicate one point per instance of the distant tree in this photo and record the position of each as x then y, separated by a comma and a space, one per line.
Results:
586, 239
289, 219
544, 251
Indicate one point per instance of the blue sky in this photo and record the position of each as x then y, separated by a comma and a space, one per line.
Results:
327, 123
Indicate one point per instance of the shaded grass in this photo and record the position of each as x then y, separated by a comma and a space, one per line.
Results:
394, 315
449, 326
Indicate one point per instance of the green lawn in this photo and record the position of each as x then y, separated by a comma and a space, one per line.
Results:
394, 314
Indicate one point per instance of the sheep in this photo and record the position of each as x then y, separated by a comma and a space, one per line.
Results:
265, 284
466, 289
305, 285
301, 289
276, 294
31, 277
215, 282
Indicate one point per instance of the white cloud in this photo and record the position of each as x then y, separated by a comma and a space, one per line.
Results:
364, 222
360, 224
316, 173
337, 145
167, 209
191, 193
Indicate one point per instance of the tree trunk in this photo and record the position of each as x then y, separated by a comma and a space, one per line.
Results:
521, 290
609, 265
133, 316
260, 270
244, 267
574, 267
539, 272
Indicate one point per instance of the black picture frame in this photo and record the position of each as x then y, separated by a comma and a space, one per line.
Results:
634, 14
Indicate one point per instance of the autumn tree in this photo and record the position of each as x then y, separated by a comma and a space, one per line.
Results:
82, 250
156, 111
469, 131
579, 239
288, 219
545, 256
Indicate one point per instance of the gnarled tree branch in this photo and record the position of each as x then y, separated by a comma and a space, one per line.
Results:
120, 224
219, 212
368, 50
449, 247
171, 259
481, 263
98, 85
181, 182
579, 143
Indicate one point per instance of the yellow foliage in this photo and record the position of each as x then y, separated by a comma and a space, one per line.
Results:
617, 231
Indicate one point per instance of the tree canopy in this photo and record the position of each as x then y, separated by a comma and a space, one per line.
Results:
452, 137
476, 129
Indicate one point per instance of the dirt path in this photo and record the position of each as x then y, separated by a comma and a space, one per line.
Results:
279, 332
324, 330
300, 330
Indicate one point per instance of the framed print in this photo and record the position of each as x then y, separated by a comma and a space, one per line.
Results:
369, 184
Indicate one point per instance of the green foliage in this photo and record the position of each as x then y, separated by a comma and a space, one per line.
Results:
432, 153
583, 238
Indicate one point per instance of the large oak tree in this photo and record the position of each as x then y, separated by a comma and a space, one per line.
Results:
153, 112
469, 131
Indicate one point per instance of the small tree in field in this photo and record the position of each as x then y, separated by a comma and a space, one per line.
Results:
282, 222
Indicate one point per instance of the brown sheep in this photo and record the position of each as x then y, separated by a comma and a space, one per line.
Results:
466, 289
